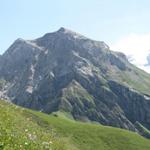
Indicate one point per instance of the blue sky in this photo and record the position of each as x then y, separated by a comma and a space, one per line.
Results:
105, 20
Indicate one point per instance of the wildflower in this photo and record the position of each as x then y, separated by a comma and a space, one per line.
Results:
26, 130
26, 143
45, 143
32, 137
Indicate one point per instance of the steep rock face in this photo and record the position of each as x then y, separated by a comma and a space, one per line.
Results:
135, 105
66, 71
142, 130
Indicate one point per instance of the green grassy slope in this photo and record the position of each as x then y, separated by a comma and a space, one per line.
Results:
135, 78
22, 129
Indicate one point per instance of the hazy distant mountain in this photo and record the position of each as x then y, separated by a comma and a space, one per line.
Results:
146, 67
66, 71
148, 60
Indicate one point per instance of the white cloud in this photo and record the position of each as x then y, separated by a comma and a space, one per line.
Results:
136, 46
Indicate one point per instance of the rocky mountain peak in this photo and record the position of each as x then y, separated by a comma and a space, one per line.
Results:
20, 40
62, 34
63, 29
65, 70
66, 41
66, 31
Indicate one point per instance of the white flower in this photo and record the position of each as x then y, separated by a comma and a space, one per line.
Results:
26, 130
32, 137
45, 143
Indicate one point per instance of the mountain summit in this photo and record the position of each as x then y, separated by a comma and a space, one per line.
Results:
65, 71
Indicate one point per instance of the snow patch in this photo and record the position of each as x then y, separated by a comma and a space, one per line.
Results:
29, 89
146, 97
